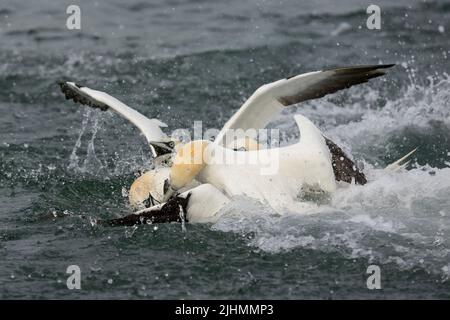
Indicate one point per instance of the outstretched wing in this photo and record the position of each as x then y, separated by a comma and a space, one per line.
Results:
343, 167
151, 128
271, 98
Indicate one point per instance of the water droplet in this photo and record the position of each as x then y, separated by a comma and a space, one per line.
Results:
92, 221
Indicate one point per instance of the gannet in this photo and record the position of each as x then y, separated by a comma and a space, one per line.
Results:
195, 191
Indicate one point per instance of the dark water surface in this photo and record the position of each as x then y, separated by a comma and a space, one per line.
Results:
182, 61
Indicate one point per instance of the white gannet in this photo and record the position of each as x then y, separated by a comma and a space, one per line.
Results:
200, 189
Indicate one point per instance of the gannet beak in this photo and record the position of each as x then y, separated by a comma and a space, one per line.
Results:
168, 191
168, 194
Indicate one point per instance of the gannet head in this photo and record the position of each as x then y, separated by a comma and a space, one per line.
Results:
163, 150
187, 163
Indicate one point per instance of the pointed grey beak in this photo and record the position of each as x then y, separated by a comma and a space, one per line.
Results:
168, 194
168, 190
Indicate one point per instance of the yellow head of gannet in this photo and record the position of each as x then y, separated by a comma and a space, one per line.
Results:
189, 160
147, 190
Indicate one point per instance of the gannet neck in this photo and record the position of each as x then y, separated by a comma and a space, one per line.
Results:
189, 160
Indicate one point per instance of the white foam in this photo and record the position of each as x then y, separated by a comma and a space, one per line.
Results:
398, 217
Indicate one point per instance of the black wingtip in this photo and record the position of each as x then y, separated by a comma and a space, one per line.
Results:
72, 93
361, 68
385, 66
168, 212
62, 83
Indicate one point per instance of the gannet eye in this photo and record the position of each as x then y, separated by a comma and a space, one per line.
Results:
167, 162
171, 144
240, 149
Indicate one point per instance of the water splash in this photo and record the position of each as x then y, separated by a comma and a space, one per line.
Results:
74, 159
90, 163
182, 218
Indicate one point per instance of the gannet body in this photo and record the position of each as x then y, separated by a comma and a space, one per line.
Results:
275, 175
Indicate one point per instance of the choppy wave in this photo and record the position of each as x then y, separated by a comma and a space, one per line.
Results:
398, 217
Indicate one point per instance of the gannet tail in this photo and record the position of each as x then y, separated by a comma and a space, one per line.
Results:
400, 163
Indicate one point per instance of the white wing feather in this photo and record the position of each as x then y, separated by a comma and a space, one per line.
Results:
271, 98
150, 128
